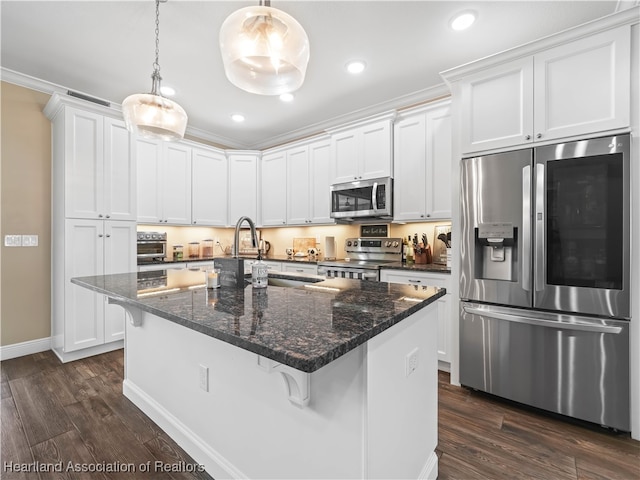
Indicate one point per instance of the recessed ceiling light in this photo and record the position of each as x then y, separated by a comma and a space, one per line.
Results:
167, 91
356, 66
286, 97
236, 117
463, 20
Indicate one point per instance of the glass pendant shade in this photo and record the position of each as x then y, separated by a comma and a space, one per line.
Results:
264, 50
154, 116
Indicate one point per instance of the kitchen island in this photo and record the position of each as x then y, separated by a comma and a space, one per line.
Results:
331, 379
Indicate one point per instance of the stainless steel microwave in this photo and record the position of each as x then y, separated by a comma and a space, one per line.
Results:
362, 199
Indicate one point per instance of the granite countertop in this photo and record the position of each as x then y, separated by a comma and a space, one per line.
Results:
304, 327
418, 267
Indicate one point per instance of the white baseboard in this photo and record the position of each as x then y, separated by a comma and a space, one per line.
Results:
215, 464
16, 350
87, 352
430, 469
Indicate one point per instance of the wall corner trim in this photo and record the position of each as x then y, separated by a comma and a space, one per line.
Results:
16, 350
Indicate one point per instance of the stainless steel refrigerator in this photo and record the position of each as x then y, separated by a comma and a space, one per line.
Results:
544, 284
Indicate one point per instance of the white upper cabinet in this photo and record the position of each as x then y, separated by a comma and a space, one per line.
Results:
362, 151
422, 164
243, 185
99, 168
209, 188
164, 187
577, 88
273, 192
320, 176
297, 191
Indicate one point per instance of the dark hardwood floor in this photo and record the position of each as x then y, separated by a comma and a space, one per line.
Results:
75, 412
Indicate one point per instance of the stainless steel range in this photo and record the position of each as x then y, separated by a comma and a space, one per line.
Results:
364, 258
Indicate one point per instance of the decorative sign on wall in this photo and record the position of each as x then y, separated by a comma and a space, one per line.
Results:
374, 231
441, 241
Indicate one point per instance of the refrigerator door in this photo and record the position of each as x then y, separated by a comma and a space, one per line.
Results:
495, 249
575, 366
582, 222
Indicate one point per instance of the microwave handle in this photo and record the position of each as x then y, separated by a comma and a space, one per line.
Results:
374, 195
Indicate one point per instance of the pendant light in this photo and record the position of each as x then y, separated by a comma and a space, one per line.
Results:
150, 114
264, 50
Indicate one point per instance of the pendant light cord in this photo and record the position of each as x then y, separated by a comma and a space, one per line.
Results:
156, 64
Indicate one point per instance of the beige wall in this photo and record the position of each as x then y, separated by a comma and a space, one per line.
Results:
25, 208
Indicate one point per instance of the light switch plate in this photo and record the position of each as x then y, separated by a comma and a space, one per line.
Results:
13, 240
29, 240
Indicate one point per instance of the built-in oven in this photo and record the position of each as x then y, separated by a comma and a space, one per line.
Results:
362, 198
152, 246
364, 258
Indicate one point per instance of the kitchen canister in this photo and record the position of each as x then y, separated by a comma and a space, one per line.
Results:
194, 249
178, 252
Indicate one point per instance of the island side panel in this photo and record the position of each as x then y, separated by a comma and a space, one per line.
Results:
244, 426
402, 408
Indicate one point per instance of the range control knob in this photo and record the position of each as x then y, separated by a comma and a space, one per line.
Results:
348, 243
355, 243
148, 236
387, 243
395, 244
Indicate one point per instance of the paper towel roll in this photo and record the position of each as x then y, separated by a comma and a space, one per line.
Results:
329, 248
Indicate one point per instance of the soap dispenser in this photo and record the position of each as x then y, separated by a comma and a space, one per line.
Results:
259, 273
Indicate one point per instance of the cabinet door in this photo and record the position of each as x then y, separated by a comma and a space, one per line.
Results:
298, 186
583, 86
209, 190
497, 107
438, 174
149, 180
84, 309
375, 150
176, 192
320, 176
119, 171
344, 146
84, 164
444, 329
273, 190
243, 186
410, 179
119, 257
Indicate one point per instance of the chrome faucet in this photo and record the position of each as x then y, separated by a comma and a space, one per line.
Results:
236, 236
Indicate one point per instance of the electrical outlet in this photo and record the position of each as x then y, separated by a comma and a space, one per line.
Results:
29, 240
204, 378
411, 362
13, 240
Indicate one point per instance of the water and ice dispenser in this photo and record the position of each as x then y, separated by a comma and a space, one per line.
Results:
496, 251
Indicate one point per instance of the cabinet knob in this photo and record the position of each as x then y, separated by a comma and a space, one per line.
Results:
100, 235
108, 235
539, 135
107, 216
527, 137
194, 222
99, 215
428, 214
421, 215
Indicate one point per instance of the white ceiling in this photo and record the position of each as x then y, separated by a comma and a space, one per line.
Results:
106, 49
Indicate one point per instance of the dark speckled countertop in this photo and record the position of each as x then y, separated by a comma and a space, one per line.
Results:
304, 327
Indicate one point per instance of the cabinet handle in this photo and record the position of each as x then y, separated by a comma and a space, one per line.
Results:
528, 137
539, 135
413, 281
99, 215
107, 216
108, 235
100, 235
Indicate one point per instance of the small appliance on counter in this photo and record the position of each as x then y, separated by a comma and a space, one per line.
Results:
151, 247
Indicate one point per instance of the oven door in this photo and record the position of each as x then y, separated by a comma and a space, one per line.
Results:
347, 272
151, 249
582, 227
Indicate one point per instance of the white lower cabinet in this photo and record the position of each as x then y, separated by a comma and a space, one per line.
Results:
82, 319
271, 266
426, 279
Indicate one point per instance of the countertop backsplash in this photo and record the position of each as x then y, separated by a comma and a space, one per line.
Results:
281, 238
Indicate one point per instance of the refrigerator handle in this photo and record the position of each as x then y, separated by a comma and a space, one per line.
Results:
526, 228
584, 326
539, 259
